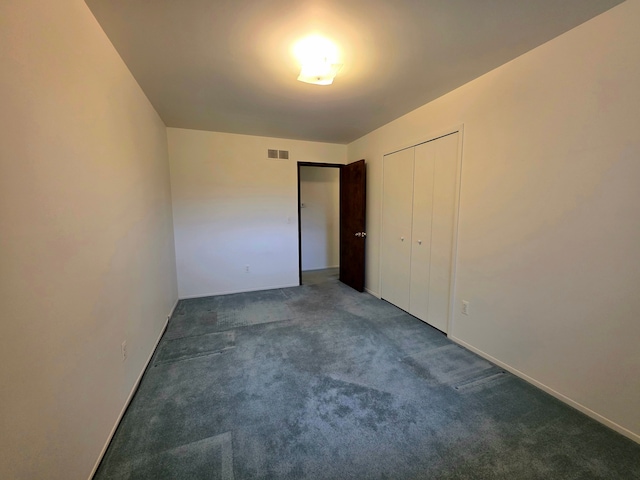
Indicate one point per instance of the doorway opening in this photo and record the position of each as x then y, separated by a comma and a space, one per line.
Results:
318, 221
331, 220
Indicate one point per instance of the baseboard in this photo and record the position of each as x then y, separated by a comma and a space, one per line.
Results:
371, 292
319, 269
563, 398
231, 292
132, 393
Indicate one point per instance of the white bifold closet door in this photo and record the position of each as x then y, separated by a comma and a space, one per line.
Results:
421, 230
418, 229
396, 232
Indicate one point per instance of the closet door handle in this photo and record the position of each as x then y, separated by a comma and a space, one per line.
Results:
419, 242
402, 239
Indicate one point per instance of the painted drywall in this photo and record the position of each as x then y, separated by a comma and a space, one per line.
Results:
320, 217
233, 207
86, 250
549, 224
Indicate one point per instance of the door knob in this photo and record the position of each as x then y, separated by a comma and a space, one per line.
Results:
402, 239
358, 234
419, 242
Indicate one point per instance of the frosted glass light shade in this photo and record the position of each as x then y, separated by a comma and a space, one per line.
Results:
318, 58
319, 74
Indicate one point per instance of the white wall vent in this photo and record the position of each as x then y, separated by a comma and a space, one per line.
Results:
272, 153
284, 154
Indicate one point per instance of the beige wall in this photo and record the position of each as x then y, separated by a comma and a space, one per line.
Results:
549, 225
86, 244
233, 207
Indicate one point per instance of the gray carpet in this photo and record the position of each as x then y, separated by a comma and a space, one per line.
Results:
323, 382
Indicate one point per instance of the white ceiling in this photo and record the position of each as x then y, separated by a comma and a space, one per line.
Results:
226, 65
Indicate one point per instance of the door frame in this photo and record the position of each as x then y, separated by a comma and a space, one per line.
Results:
454, 248
308, 164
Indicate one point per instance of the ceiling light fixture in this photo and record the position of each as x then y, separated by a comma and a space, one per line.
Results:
318, 58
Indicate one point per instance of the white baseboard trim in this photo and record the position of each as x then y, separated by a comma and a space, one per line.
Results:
132, 393
319, 268
371, 292
231, 292
578, 406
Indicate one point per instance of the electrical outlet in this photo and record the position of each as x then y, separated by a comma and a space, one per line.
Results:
465, 307
246, 269
124, 351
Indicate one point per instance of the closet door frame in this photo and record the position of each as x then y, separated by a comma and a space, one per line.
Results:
459, 129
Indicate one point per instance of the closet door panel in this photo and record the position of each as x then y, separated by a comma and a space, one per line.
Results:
396, 227
421, 229
444, 190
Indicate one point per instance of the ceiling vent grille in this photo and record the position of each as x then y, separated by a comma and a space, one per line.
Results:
283, 154
272, 153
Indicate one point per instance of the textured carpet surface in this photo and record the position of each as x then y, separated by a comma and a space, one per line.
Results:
323, 382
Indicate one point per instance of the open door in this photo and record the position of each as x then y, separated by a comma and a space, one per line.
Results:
352, 224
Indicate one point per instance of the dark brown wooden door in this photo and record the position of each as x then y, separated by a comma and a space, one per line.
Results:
352, 224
